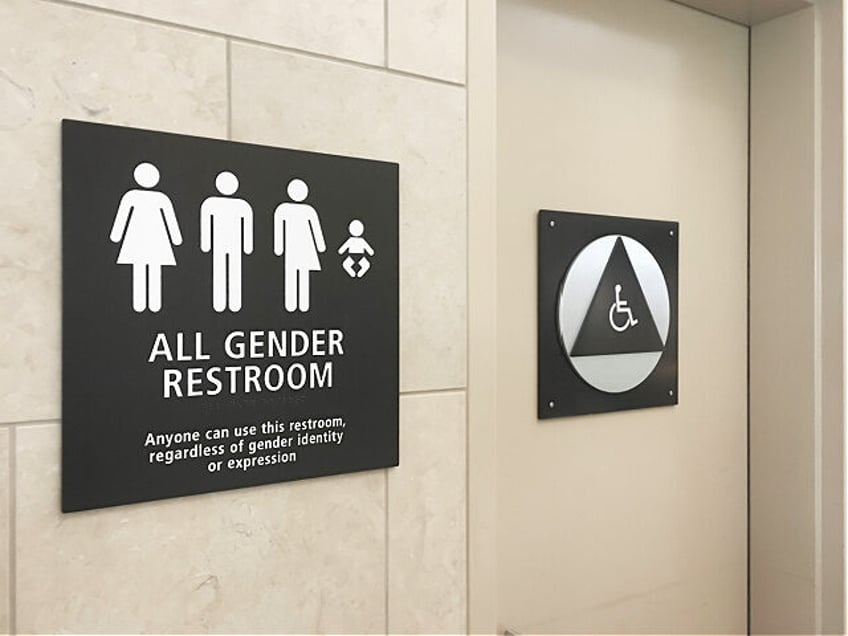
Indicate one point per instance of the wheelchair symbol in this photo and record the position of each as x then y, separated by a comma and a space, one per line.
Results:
620, 307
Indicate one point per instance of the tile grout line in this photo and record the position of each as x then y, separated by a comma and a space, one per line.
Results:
424, 392
386, 33
13, 564
22, 423
258, 43
229, 57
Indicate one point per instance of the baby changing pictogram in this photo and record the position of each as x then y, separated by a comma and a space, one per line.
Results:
356, 264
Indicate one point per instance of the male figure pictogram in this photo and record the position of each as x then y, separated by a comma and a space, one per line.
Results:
354, 246
226, 229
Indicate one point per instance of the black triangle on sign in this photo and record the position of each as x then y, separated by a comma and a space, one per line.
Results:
618, 320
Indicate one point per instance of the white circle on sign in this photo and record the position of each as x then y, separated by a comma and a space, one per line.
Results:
297, 190
146, 175
227, 183
612, 372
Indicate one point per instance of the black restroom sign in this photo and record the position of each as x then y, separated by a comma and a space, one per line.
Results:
607, 313
230, 315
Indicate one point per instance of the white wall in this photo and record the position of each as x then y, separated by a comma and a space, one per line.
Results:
783, 361
363, 553
797, 421
627, 522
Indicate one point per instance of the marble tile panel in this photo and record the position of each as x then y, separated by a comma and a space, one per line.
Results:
5, 529
427, 518
427, 37
350, 29
64, 62
299, 557
294, 101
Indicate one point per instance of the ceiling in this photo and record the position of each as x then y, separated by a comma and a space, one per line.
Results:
748, 12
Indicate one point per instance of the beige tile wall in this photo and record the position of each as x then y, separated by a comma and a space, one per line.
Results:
426, 534
328, 106
60, 62
427, 37
350, 29
303, 557
354, 553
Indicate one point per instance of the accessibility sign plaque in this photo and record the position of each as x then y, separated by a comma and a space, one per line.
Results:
230, 315
607, 322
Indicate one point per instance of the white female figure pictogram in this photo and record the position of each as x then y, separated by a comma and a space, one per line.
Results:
147, 228
298, 239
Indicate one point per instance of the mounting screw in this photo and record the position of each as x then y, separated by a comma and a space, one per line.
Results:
552, 223
550, 405
671, 232
671, 393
